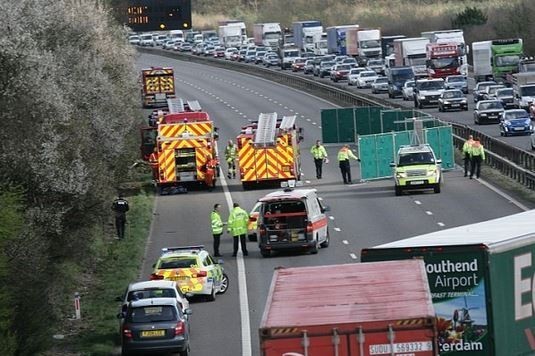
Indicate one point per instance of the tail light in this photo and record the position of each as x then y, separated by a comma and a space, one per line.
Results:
262, 230
202, 274
155, 277
180, 328
309, 227
127, 333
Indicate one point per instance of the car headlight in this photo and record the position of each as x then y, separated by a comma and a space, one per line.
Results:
507, 123
421, 97
527, 122
463, 101
483, 114
401, 174
445, 102
431, 172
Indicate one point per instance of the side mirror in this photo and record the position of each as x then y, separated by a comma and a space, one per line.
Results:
325, 208
189, 295
118, 299
154, 265
120, 315
439, 161
392, 164
188, 311
220, 262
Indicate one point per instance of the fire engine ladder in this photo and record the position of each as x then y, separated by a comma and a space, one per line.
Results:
288, 122
194, 105
265, 134
175, 105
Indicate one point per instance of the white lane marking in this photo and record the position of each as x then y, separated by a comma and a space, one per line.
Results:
155, 220
320, 198
504, 195
417, 202
242, 287
313, 123
337, 229
319, 127
308, 120
345, 242
285, 108
331, 217
307, 182
353, 256
429, 212
440, 224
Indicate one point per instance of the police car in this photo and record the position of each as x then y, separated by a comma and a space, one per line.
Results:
194, 270
417, 168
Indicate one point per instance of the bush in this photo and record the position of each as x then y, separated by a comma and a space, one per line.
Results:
471, 16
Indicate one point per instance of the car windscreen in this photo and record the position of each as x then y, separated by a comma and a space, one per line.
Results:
178, 262
504, 92
431, 85
368, 74
521, 114
151, 314
456, 79
452, 94
284, 207
410, 84
415, 158
151, 293
327, 64
490, 106
381, 80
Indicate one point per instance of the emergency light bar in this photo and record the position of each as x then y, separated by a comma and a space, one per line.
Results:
182, 248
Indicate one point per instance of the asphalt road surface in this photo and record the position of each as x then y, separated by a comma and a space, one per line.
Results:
361, 215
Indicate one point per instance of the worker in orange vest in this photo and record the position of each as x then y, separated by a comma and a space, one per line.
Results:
210, 172
153, 162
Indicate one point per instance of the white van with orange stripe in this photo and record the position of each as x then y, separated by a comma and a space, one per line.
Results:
292, 219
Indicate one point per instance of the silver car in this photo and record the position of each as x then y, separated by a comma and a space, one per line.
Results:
380, 85
456, 82
406, 90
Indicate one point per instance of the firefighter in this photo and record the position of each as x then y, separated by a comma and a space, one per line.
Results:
343, 161
210, 171
320, 155
231, 152
120, 207
153, 162
237, 227
217, 228
477, 155
466, 153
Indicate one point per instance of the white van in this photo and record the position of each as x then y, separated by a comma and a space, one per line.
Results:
292, 219
146, 40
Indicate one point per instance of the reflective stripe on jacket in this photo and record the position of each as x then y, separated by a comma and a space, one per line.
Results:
318, 152
230, 152
237, 221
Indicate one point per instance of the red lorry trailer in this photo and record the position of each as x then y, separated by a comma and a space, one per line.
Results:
443, 59
360, 309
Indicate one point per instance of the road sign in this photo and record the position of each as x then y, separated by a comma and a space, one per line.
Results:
157, 15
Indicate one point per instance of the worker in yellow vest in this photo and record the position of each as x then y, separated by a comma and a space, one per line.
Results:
320, 155
343, 161
466, 153
237, 227
477, 154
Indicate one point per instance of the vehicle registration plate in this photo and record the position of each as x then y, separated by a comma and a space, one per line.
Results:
177, 278
160, 96
454, 105
152, 333
519, 129
416, 182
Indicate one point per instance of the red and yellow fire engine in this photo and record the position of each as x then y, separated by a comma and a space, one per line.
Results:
268, 150
158, 85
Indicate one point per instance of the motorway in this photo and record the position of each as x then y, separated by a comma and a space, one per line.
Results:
361, 215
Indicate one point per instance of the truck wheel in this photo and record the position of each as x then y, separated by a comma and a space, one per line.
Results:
325, 243
265, 253
436, 188
397, 190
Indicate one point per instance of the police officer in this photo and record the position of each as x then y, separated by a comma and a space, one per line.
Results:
231, 152
320, 155
237, 227
120, 207
217, 228
477, 154
466, 153
343, 161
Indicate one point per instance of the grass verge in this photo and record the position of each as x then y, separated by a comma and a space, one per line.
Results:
120, 267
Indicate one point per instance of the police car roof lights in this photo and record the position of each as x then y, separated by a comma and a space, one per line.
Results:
182, 248
289, 185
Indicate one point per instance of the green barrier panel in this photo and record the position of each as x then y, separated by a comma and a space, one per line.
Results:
385, 154
389, 118
367, 155
440, 139
368, 119
346, 125
329, 126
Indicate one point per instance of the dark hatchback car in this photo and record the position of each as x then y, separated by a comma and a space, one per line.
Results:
505, 95
479, 90
452, 99
155, 325
488, 111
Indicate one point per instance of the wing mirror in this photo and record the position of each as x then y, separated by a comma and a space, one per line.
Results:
392, 164
439, 161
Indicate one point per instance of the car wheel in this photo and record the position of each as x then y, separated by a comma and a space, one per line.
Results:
325, 243
224, 284
436, 188
186, 352
440, 109
397, 190
265, 253
349, 83
466, 108
211, 297
314, 249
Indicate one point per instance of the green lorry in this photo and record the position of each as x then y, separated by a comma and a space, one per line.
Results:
495, 59
481, 278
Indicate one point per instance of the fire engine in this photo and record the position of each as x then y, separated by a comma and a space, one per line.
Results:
185, 147
158, 85
443, 59
268, 150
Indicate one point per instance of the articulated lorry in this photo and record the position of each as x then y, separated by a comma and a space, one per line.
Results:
230, 35
360, 309
443, 59
336, 39
239, 23
496, 59
387, 44
451, 37
481, 279
305, 32
412, 52
267, 34
363, 44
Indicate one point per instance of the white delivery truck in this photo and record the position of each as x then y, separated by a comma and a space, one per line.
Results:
412, 52
267, 34
230, 35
